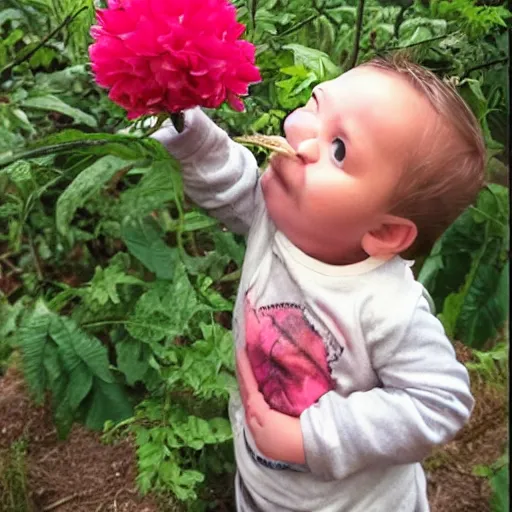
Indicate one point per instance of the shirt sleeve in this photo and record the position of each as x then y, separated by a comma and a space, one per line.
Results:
219, 175
424, 401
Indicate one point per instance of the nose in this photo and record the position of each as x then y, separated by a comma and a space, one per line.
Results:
299, 126
309, 150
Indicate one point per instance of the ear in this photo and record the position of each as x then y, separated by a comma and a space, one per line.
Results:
393, 236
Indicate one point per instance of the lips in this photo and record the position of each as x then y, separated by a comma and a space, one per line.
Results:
288, 357
288, 173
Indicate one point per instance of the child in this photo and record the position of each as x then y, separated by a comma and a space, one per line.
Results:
347, 379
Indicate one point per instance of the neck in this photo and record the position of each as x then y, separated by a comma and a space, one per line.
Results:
331, 256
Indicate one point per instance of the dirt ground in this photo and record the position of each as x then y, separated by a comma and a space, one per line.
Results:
84, 475
78, 475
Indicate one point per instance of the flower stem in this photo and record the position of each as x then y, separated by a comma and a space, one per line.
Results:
178, 120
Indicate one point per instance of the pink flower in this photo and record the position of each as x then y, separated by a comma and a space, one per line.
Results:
170, 55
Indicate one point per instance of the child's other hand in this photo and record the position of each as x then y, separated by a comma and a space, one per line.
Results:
277, 436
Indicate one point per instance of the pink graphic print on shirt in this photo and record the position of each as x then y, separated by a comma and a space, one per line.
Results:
288, 357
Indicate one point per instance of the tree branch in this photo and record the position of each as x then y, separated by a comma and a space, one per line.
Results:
7, 70
299, 25
419, 43
399, 20
352, 60
486, 65
254, 8
62, 147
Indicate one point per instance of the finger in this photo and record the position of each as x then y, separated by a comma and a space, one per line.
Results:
254, 425
257, 408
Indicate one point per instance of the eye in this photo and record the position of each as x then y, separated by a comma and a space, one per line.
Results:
338, 150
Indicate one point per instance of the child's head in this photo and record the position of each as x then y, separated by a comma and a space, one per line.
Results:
390, 156
445, 176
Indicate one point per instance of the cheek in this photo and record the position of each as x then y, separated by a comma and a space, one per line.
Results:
336, 201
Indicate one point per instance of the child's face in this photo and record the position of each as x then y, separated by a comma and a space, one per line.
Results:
354, 136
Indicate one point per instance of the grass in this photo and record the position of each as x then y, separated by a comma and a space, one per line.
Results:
13, 479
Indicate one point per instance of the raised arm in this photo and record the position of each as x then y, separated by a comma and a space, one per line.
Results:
219, 175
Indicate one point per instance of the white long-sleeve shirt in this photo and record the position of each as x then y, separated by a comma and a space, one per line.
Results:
354, 351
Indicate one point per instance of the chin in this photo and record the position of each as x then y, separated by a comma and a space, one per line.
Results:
278, 206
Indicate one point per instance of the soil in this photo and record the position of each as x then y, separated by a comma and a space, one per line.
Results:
83, 475
77, 475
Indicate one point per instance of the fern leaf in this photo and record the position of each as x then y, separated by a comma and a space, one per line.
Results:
77, 346
33, 338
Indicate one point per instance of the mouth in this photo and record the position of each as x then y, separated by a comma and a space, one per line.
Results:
279, 178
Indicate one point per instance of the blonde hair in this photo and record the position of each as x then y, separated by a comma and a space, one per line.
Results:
446, 176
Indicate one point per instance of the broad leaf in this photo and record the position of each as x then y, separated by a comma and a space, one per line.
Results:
154, 191
485, 307
143, 239
107, 401
54, 104
313, 59
88, 183
132, 359
76, 346
500, 486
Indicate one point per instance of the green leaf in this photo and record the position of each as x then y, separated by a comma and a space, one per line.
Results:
10, 15
8, 142
143, 238
54, 104
213, 298
76, 346
9, 315
500, 487
132, 359
108, 401
9, 210
222, 339
88, 183
43, 58
419, 35
481, 471
451, 311
103, 286
33, 339
196, 220
431, 267
226, 244
80, 384
154, 191
165, 310
313, 59
485, 307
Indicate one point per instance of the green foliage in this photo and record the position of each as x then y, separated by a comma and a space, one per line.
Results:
467, 271
181, 431
498, 476
492, 365
118, 293
73, 365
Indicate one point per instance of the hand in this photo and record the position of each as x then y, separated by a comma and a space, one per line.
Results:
277, 436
